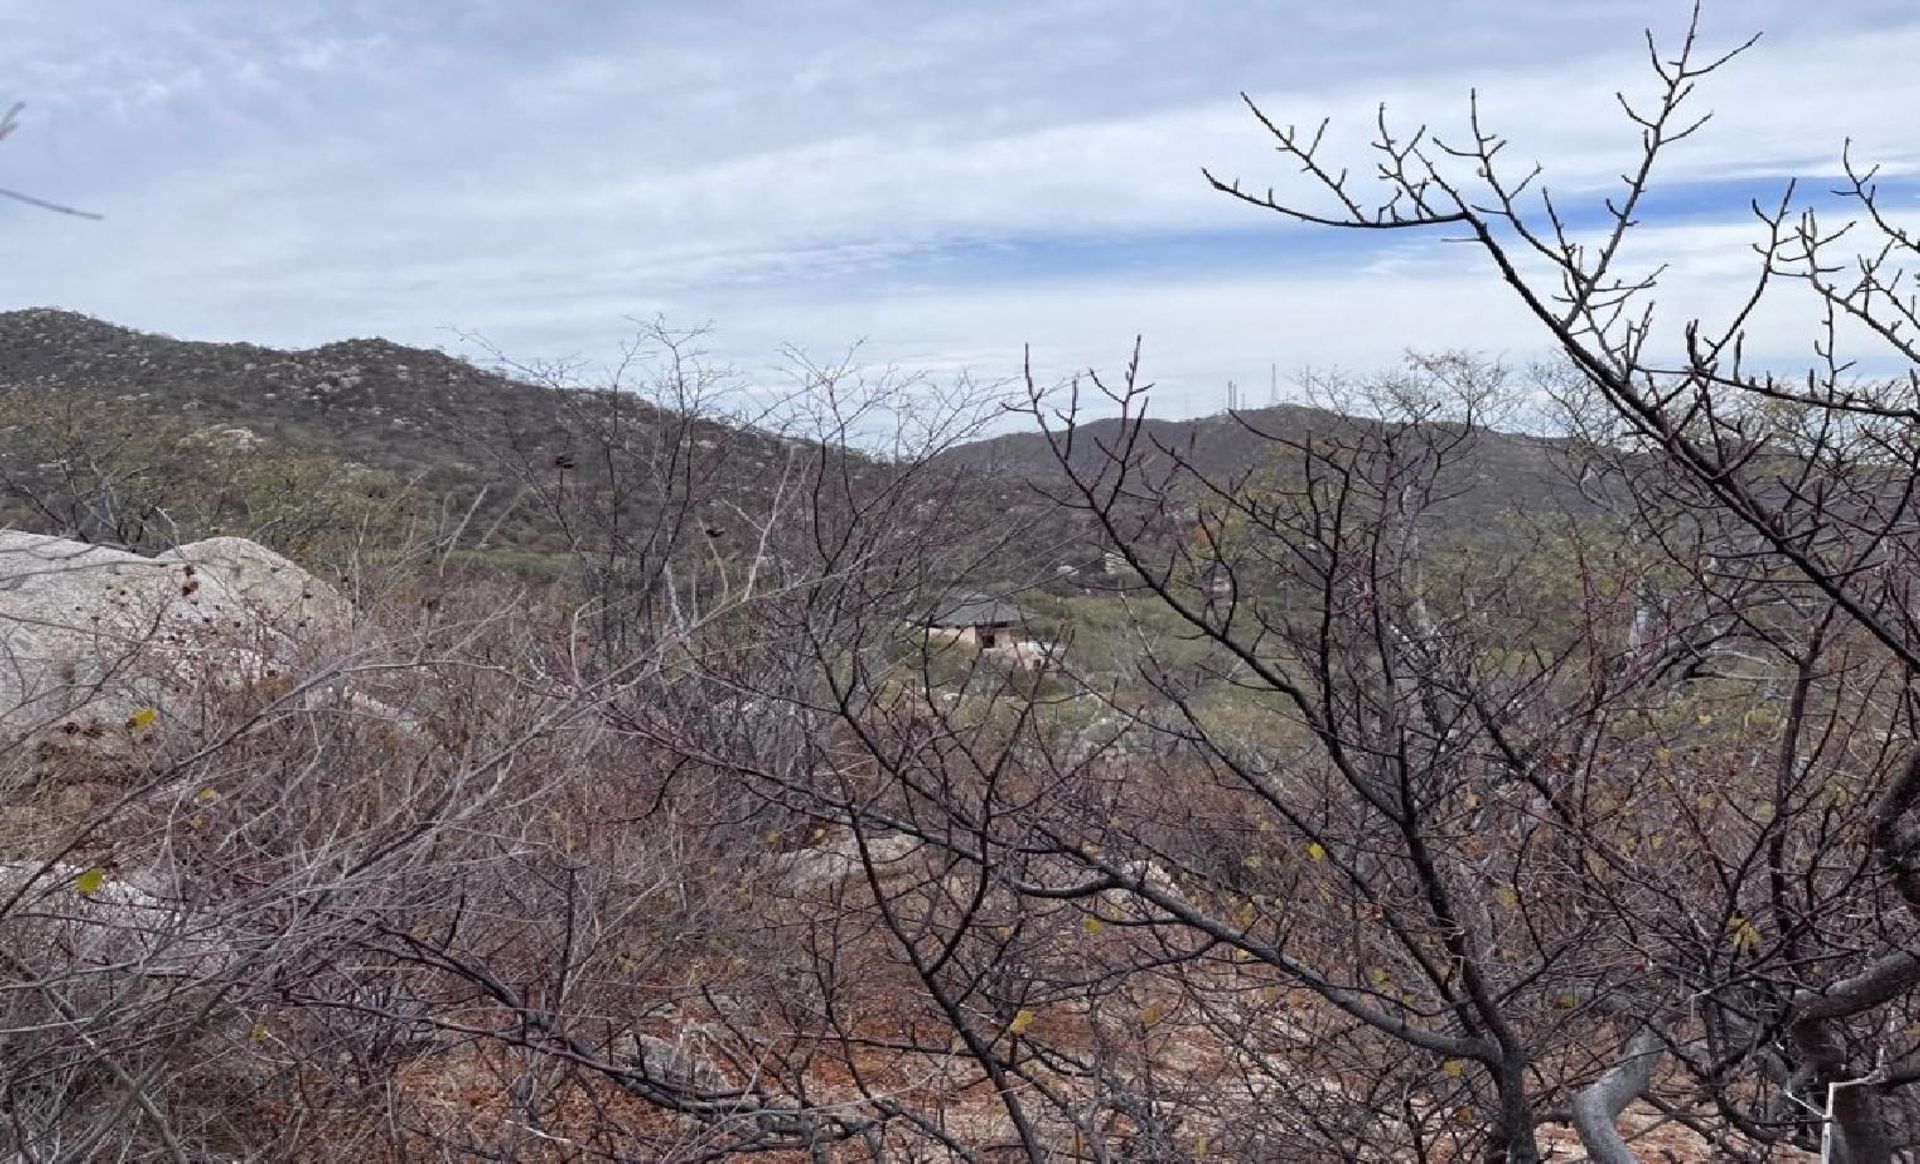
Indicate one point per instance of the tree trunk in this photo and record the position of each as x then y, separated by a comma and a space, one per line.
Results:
1597, 1108
1517, 1144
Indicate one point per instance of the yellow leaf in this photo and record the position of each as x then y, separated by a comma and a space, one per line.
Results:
1744, 935
1021, 1022
1251, 860
1453, 1068
1464, 1114
1704, 720
1244, 917
1316, 852
1566, 1000
1092, 925
259, 1032
1506, 896
143, 717
1199, 1147
91, 880
1663, 754
1380, 976
1152, 1014
206, 796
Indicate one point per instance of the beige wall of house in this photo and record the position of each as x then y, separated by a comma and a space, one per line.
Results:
986, 638
1011, 644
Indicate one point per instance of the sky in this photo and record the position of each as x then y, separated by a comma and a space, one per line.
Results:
940, 187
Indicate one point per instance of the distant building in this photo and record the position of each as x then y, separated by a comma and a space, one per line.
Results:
977, 619
1216, 579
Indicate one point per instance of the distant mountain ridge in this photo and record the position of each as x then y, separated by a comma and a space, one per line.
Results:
371, 399
431, 417
449, 428
1497, 472
455, 431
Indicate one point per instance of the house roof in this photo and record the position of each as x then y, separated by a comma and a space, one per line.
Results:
968, 608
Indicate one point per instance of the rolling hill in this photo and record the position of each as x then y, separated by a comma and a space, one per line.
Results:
450, 431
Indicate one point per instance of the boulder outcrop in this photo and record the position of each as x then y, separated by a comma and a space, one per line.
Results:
96, 641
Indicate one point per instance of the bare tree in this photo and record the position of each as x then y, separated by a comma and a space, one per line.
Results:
1355, 819
1802, 483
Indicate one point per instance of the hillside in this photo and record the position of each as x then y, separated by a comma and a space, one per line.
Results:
444, 431
448, 433
370, 400
1496, 471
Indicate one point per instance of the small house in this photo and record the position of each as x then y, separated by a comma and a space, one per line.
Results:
978, 619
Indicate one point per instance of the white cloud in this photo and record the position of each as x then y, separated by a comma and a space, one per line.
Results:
296, 172
1200, 333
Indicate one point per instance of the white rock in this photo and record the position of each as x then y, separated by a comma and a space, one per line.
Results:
89, 635
122, 923
829, 865
672, 1063
279, 593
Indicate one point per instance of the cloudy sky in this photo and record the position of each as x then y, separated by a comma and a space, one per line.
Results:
943, 183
